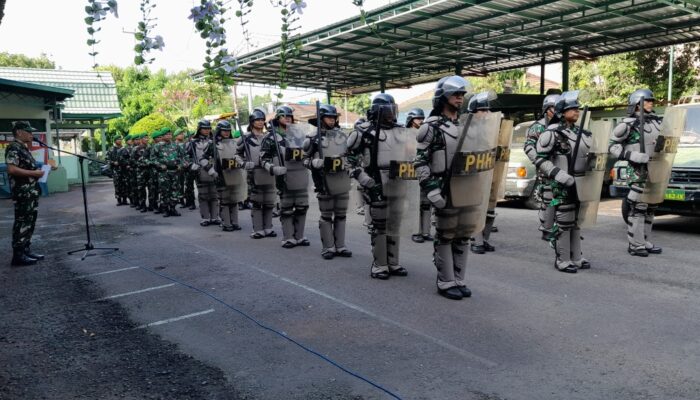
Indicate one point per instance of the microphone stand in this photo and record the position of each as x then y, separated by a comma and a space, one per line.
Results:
88, 246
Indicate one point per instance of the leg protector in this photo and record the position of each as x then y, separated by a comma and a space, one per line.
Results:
442, 257
459, 259
340, 209
300, 221
287, 222
547, 213
379, 253
576, 251
648, 223
392, 253
267, 216
226, 215
566, 221
256, 214
636, 224
325, 223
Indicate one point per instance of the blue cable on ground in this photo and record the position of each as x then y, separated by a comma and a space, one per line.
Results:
273, 330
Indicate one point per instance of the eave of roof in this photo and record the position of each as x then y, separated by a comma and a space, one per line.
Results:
33, 89
418, 41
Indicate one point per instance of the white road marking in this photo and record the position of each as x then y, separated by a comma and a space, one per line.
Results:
115, 296
169, 320
357, 308
105, 272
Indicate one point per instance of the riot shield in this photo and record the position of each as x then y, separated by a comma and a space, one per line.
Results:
590, 171
498, 185
335, 148
397, 149
232, 172
297, 177
472, 170
661, 160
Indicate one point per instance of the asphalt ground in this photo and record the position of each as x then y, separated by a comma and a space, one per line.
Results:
183, 311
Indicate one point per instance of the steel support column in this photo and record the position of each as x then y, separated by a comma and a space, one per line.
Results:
542, 64
382, 86
565, 68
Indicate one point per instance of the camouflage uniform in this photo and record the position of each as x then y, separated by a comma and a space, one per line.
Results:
25, 194
142, 171
153, 192
169, 158
131, 178
113, 159
189, 177
123, 157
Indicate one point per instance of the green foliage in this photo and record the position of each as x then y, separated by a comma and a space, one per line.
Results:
258, 101
359, 104
22, 61
513, 80
151, 123
607, 81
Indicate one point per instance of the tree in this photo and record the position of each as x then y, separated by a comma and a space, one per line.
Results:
652, 69
23, 61
151, 123
358, 104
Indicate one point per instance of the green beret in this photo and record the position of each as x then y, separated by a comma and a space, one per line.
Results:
156, 134
128, 137
179, 131
236, 134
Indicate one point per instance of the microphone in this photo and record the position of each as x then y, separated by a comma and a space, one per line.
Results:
35, 139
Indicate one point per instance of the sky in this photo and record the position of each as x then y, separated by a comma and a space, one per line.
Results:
56, 28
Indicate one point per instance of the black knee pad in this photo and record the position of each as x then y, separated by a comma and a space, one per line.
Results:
425, 207
301, 210
256, 206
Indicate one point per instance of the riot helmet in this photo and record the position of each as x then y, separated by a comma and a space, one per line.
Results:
326, 110
202, 124
385, 103
284, 111
257, 114
414, 113
549, 101
447, 87
222, 126
637, 97
567, 101
481, 101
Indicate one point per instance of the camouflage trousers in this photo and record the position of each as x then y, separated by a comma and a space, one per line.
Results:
153, 192
116, 182
132, 185
142, 177
169, 186
122, 183
25, 221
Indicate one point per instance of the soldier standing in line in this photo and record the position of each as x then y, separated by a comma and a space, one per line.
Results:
546, 212
232, 184
113, 159
414, 119
124, 169
169, 158
188, 174
282, 155
325, 154
142, 170
202, 157
131, 178
24, 180
260, 182
154, 203
179, 138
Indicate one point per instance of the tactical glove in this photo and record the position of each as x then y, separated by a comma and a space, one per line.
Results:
212, 172
277, 171
203, 162
317, 163
194, 167
249, 165
365, 181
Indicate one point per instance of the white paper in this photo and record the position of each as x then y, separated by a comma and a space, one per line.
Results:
46, 168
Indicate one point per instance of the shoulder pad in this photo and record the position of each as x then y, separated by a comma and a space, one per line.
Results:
546, 140
629, 120
424, 133
432, 119
364, 127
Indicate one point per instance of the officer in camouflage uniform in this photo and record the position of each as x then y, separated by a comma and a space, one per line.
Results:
414, 119
179, 138
113, 159
133, 171
142, 170
281, 154
554, 151
24, 180
626, 144
189, 175
123, 156
331, 180
154, 175
170, 159
546, 212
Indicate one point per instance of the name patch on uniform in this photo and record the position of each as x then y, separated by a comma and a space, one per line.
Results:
596, 161
294, 154
402, 170
502, 153
229, 163
667, 144
333, 164
470, 163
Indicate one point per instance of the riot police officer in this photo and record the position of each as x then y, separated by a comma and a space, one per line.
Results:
202, 157
556, 147
414, 119
457, 190
381, 141
232, 185
634, 143
260, 182
281, 154
325, 153
546, 212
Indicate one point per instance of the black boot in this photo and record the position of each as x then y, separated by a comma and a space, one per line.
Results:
655, 250
21, 259
173, 212
35, 256
638, 252
452, 293
193, 206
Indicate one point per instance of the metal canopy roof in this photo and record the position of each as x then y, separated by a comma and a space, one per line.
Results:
417, 41
50, 93
95, 94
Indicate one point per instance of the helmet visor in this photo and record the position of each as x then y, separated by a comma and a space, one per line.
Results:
455, 84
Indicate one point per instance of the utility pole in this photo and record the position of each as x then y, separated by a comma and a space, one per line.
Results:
670, 74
